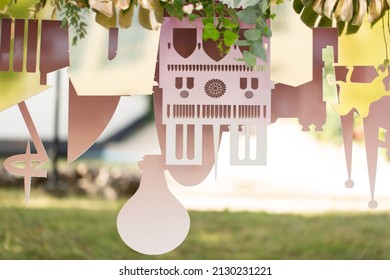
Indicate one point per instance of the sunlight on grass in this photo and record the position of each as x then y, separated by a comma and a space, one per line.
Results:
81, 228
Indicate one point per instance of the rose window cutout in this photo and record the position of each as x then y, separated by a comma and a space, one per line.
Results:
215, 88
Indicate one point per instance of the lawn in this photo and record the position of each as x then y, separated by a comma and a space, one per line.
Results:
80, 228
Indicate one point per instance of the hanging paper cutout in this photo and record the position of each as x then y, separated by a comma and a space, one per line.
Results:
153, 221
19, 71
356, 92
186, 175
29, 50
33, 163
54, 48
355, 95
201, 90
361, 84
305, 102
121, 64
88, 117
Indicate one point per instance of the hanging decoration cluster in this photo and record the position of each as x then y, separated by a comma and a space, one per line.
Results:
213, 76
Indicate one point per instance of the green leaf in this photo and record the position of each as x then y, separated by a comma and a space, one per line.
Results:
252, 34
227, 23
208, 20
229, 37
324, 22
309, 17
259, 51
64, 22
208, 9
210, 32
243, 43
192, 16
250, 58
263, 5
248, 15
267, 31
170, 9
352, 29
233, 15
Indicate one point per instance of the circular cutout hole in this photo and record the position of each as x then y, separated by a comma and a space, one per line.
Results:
184, 94
249, 94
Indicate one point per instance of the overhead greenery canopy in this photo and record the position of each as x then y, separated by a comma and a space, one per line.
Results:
220, 18
349, 14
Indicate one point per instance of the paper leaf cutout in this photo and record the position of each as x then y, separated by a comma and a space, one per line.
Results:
88, 117
121, 64
32, 162
153, 221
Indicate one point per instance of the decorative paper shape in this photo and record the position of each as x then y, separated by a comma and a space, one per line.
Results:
153, 221
379, 118
186, 175
19, 68
305, 102
54, 48
200, 89
360, 89
118, 65
32, 162
88, 117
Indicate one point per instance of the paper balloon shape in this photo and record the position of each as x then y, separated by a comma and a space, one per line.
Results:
153, 221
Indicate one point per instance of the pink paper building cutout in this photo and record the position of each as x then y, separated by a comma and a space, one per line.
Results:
305, 102
200, 89
187, 175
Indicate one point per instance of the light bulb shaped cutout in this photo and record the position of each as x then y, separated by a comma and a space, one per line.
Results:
153, 221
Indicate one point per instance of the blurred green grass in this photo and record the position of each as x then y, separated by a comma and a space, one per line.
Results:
80, 228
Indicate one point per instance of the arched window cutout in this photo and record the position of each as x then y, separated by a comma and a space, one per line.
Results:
184, 41
211, 49
190, 82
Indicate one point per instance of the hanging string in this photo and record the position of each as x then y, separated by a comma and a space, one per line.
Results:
386, 62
